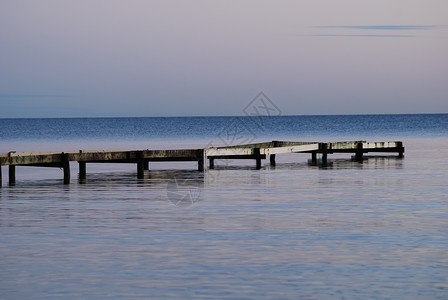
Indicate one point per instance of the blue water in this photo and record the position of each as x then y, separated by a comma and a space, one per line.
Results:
350, 230
351, 126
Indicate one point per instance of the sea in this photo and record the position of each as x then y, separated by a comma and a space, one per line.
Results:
375, 229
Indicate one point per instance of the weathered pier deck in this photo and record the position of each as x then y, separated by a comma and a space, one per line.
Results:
141, 158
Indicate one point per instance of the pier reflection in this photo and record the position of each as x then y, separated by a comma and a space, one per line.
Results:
368, 162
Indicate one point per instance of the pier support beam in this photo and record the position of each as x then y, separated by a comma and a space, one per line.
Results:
211, 163
400, 149
65, 162
82, 170
0, 176
257, 158
359, 151
324, 147
140, 165
272, 156
201, 160
314, 158
12, 175
146, 165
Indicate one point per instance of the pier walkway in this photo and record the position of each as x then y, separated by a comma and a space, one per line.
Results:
141, 158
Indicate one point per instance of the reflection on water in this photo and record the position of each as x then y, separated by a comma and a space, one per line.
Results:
369, 162
375, 229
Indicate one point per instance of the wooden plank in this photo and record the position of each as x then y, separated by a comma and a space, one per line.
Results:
228, 151
186, 153
19, 154
255, 145
289, 143
28, 158
268, 145
102, 155
378, 145
291, 149
351, 145
32, 159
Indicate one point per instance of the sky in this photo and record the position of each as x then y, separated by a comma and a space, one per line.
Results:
143, 58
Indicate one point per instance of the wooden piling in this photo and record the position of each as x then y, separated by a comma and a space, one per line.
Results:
12, 175
257, 158
82, 170
324, 147
65, 162
272, 156
140, 165
201, 160
211, 163
400, 149
314, 157
359, 151
0, 176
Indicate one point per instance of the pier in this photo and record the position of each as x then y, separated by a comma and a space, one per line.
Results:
142, 158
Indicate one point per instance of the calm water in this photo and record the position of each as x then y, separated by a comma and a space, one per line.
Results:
371, 230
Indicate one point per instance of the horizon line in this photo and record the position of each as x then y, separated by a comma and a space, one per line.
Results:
229, 116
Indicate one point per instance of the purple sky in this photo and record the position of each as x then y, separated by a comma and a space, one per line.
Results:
173, 58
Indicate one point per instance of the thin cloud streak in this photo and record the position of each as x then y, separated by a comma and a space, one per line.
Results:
29, 96
385, 27
364, 35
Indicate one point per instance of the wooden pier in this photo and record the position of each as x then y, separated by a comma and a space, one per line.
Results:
142, 158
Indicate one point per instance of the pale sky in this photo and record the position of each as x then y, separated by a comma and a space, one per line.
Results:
95, 58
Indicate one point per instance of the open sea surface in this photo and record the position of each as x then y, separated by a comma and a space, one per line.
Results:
371, 230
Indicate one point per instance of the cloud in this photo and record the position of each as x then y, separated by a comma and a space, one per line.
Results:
28, 96
369, 31
365, 35
385, 27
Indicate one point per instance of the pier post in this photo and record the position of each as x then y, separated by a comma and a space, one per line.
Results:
313, 158
65, 163
82, 170
324, 153
146, 165
359, 151
211, 163
257, 158
201, 160
272, 156
12, 175
0, 176
400, 149
140, 165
